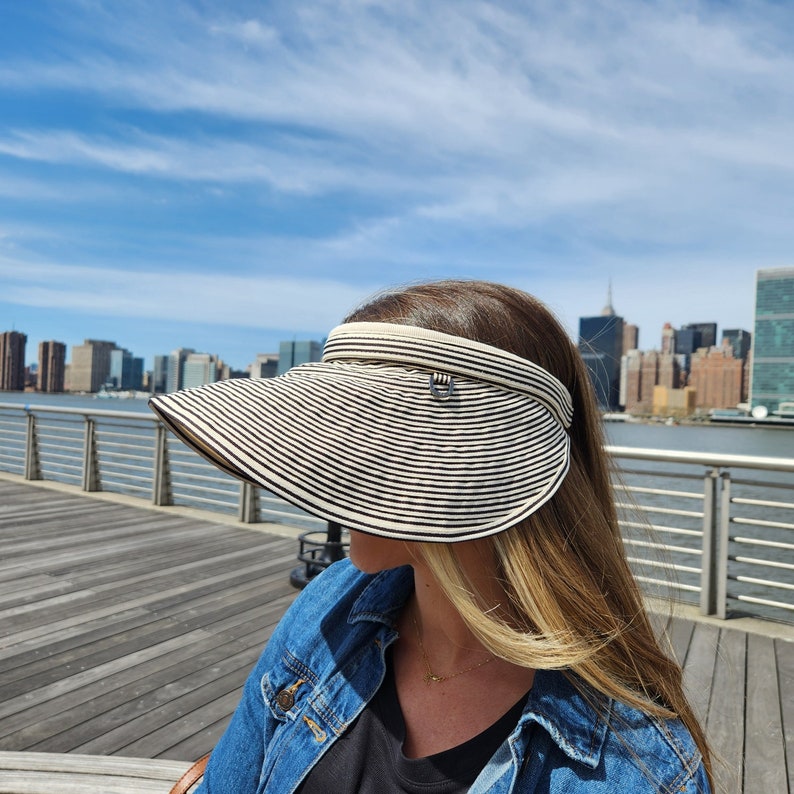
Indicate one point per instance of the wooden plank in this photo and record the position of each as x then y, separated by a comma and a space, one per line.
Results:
784, 653
124, 699
699, 665
37, 702
681, 637
725, 724
216, 714
765, 762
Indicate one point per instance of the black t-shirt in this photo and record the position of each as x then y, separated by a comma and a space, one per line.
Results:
368, 758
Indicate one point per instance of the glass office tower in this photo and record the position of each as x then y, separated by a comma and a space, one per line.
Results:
772, 382
601, 346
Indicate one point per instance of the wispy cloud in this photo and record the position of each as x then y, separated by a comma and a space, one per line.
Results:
255, 302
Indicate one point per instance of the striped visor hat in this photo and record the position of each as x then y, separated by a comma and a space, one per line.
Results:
398, 431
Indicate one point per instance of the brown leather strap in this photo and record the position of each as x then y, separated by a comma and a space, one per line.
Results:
191, 777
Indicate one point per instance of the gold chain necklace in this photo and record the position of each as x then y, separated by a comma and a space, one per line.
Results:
430, 676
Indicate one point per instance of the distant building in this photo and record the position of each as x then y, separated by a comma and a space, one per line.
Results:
201, 368
175, 366
601, 347
649, 378
668, 339
669, 371
52, 366
644, 372
12, 361
741, 343
265, 366
706, 334
739, 340
674, 402
630, 365
90, 368
631, 337
687, 341
159, 379
717, 377
126, 371
772, 379
291, 354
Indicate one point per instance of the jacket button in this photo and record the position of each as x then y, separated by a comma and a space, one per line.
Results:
285, 700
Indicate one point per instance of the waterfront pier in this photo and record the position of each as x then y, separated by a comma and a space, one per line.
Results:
126, 632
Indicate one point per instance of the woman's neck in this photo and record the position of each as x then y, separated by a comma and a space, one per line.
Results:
446, 638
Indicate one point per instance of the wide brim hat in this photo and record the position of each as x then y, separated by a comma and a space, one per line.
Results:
399, 431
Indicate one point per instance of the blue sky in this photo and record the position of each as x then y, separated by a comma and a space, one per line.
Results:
225, 175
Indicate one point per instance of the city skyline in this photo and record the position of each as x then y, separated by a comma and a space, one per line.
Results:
31, 354
224, 177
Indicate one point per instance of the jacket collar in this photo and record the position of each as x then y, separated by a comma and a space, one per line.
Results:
576, 722
575, 716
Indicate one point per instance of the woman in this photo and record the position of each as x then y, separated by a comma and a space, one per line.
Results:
486, 634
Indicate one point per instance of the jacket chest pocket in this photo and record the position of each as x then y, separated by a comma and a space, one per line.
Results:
286, 691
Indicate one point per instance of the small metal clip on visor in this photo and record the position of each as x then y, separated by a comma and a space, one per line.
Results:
441, 385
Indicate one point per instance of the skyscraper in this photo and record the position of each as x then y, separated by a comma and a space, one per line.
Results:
12, 361
200, 368
717, 377
265, 365
126, 371
705, 334
772, 379
175, 368
90, 367
601, 346
52, 364
291, 354
159, 375
739, 340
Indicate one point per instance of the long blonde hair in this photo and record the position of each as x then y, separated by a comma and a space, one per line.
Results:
571, 601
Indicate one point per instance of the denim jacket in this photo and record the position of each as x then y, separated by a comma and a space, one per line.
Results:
325, 661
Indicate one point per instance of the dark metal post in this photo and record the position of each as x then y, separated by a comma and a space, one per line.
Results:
90, 468
32, 465
724, 546
161, 476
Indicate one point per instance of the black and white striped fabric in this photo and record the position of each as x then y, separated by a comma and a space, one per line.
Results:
399, 431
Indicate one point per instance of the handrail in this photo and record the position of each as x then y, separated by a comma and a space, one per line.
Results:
60, 409
721, 460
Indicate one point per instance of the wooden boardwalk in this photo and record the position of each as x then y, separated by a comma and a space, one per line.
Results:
128, 631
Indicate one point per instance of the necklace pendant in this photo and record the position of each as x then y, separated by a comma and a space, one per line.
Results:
432, 677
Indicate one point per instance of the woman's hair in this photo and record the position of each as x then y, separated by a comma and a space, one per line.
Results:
571, 600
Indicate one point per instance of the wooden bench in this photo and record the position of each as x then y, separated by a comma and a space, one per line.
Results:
68, 773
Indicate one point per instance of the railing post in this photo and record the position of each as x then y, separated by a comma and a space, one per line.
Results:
723, 547
32, 464
90, 468
708, 589
161, 476
248, 506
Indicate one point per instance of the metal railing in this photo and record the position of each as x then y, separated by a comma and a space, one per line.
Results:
714, 528
129, 453
717, 530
